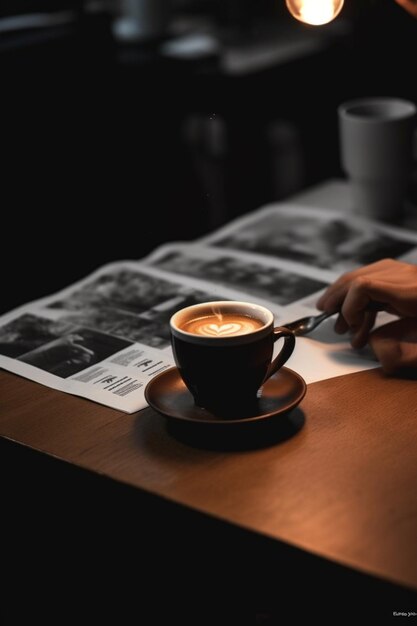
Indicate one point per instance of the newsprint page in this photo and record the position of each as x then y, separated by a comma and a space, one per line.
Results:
105, 337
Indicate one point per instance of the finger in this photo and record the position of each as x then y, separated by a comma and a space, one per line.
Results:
335, 293
363, 293
341, 326
395, 345
332, 298
355, 303
395, 287
360, 337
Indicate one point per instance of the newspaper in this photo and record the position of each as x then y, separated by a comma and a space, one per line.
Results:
106, 336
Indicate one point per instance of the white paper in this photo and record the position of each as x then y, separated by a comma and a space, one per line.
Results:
105, 337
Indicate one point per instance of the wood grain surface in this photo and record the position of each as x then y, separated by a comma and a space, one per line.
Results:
344, 487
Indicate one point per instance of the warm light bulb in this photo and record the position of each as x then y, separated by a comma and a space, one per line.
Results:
315, 12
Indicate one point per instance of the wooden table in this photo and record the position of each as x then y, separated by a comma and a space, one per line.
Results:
332, 510
342, 490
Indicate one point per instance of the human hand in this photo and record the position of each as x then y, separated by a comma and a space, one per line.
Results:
389, 285
409, 5
395, 345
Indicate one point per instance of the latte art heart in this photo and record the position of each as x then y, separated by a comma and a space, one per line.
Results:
229, 325
221, 329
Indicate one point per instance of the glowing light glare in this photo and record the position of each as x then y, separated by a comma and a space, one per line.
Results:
315, 12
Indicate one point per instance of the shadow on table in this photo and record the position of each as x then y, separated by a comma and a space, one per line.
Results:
239, 436
248, 436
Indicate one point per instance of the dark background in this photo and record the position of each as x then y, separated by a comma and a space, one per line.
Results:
96, 163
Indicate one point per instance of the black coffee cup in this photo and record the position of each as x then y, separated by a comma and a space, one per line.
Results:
224, 352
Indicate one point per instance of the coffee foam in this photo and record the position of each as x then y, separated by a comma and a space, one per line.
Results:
224, 325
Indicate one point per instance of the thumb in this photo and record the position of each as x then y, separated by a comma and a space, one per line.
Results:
395, 345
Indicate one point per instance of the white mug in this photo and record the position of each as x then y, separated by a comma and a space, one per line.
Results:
376, 153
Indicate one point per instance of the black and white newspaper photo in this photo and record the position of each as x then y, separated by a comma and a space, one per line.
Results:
103, 338
276, 281
107, 335
321, 238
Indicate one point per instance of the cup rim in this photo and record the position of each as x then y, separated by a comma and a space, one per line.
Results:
406, 109
238, 339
